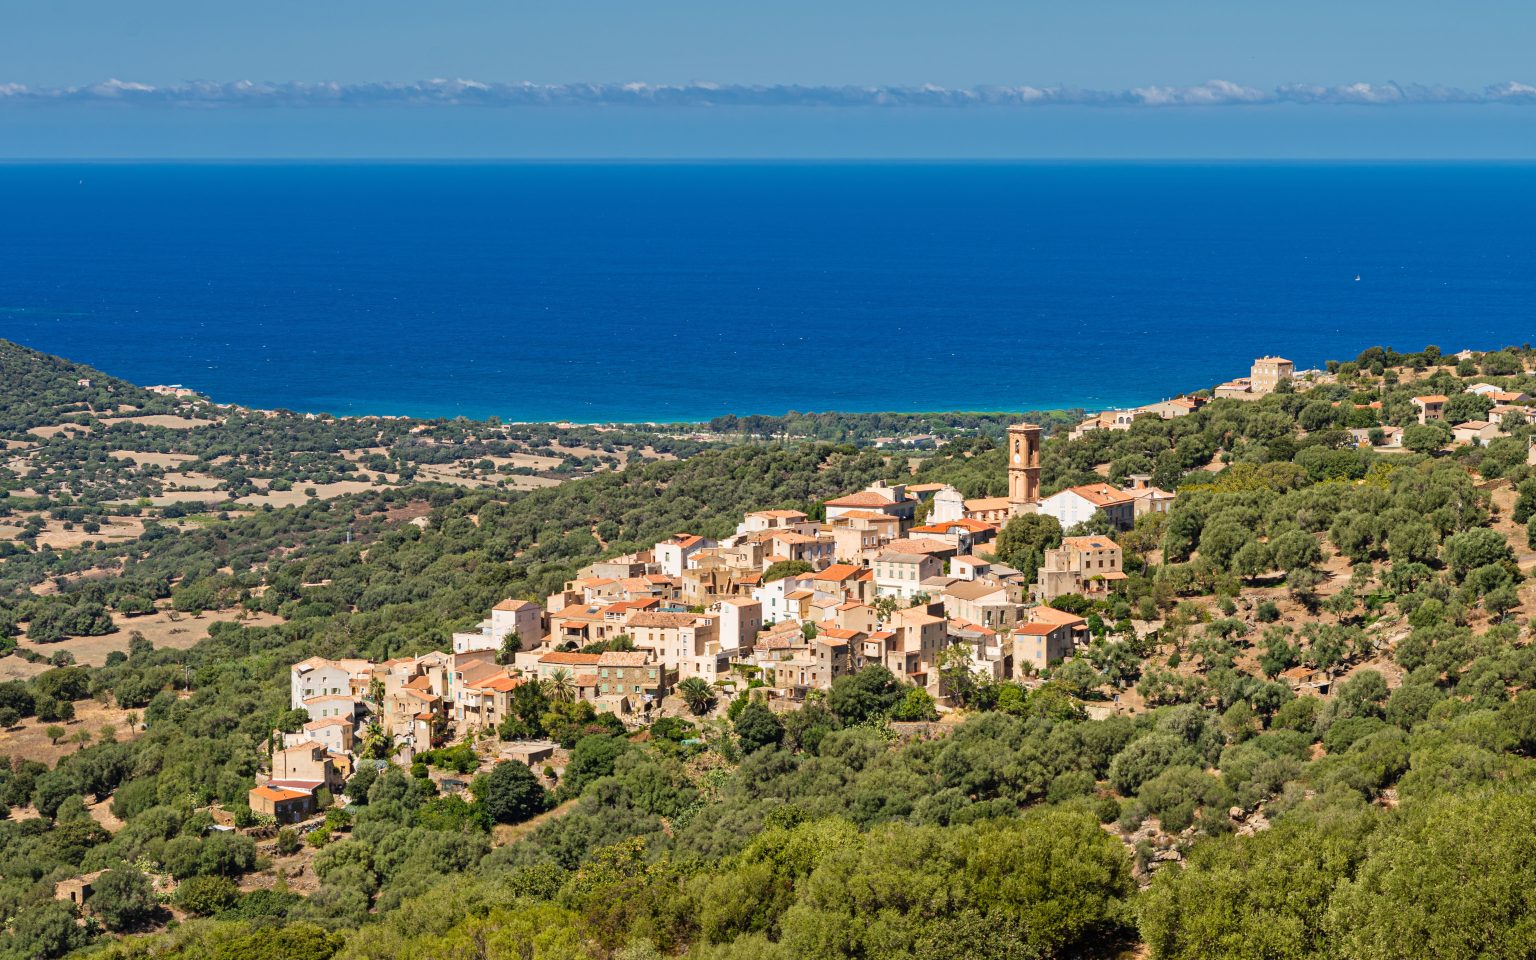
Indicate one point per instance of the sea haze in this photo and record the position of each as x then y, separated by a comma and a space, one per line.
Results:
681, 291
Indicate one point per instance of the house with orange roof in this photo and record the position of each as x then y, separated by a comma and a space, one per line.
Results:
1089, 565
761, 521
990, 510
816, 663
336, 734
484, 703
522, 617
282, 805
741, 619
328, 707
1076, 505
991, 654
672, 554
685, 643
1174, 408
1039, 644
1431, 406
790, 545
629, 680
964, 534
967, 567
910, 646
303, 766
941, 549
1108, 420
856, 532
853, 615
583, 625
1477, 433
985, 601
781, 598
879, 497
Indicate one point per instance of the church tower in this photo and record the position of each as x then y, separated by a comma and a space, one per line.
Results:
1023, 468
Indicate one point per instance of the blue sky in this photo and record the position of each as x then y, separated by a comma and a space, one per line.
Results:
52, 53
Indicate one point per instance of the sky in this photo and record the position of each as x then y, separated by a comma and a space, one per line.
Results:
685, 78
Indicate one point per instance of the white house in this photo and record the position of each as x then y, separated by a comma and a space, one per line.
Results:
319, 677
672, 554
773, 597
740, 621
902, 574
522, 617
1076, 505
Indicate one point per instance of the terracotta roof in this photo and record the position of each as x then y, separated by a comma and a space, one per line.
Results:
921, 545
975, 526
863, 515
276, 796
1432, 398
502, 683
1037, 629
866, 498
1052, 615
419, 682
561, 658
624, 658
837, 572
1089, 543
328, 722
1101, 494
988, 503
972, 589
777, 514
514, 605
653, 619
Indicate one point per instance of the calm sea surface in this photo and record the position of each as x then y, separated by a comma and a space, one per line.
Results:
683, 291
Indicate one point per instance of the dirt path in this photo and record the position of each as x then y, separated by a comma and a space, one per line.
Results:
504, 834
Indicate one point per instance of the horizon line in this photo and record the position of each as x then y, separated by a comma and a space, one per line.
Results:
460, 92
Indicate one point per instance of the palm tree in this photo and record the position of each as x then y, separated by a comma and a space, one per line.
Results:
697, 695
377, 743
562, 687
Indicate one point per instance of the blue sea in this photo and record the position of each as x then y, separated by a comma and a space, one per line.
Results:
681, 291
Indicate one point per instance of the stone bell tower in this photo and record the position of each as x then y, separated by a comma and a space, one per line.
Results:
1023, 468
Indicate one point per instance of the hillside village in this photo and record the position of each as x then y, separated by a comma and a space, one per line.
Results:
897, 575
1165, 631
